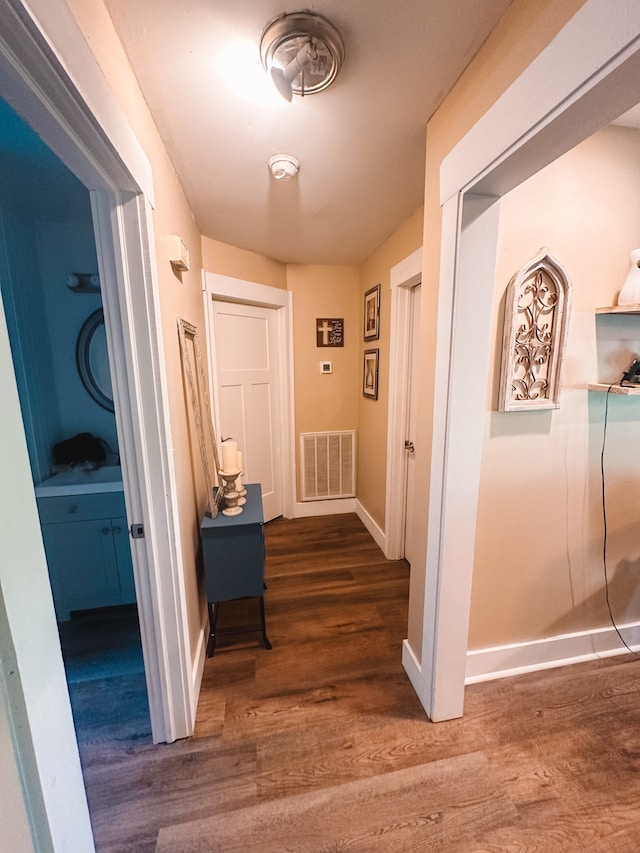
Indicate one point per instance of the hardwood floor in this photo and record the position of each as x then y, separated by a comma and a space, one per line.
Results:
539, 763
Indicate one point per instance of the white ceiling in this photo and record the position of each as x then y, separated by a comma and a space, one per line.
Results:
630, 118
360, 143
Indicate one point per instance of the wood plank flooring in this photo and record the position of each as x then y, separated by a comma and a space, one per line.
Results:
330, 705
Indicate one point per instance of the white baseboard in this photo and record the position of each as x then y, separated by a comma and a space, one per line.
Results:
562, 650
197, 670
372, 526
306, 509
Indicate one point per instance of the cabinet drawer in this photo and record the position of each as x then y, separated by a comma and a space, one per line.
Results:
81, 507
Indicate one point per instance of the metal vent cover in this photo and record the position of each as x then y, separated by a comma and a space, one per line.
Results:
327, 465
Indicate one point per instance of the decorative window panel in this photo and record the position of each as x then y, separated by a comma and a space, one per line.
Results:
535, 330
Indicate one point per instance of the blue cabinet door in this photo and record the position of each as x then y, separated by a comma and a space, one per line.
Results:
82, 565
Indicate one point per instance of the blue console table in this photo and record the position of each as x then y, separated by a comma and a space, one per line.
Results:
233, 554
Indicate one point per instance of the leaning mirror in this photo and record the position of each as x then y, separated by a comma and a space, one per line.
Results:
93, 360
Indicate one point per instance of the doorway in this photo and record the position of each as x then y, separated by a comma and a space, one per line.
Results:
403, 349
39, 61
247, 389
270, 309
409, 551
51, 292
500, 151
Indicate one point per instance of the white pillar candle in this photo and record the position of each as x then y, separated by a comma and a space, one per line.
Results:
239, 480
229, 455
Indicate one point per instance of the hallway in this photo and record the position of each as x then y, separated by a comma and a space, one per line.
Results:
542, 762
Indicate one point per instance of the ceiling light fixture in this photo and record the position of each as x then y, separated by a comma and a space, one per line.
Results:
284, 167
302, 52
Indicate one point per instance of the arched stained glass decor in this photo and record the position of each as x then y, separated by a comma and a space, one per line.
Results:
535, 330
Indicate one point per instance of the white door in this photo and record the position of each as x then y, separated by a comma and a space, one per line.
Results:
248, 394
410, 437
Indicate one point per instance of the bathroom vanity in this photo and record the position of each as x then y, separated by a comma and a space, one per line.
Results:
86, 539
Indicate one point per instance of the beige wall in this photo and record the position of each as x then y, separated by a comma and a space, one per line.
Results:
538, 569
526, 28
324, 402
180, 295
223, 259
373, 414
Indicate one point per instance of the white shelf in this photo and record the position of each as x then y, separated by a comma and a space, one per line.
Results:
619, 309
616, 388
624, 390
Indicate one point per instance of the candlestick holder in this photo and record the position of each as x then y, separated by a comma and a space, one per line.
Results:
231, 496
240, 489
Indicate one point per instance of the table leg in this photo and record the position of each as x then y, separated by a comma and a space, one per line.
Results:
213, 621
265, 639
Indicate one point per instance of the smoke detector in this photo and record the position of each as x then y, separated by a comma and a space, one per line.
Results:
284, 167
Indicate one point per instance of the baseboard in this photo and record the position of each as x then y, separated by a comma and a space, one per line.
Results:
306, 509
197, 670
562, 650
372, 526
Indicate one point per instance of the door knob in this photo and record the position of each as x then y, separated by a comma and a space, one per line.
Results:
408, 445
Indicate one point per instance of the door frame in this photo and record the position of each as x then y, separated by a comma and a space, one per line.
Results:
43, 60
40, 60
404, 276
582, 80
235, 290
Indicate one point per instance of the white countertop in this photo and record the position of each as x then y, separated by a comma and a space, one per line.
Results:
79, 481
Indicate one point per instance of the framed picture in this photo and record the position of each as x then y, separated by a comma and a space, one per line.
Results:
330, 332
196, 383
372, 314
370, 374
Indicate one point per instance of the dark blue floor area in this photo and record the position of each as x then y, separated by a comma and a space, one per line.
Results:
105, 674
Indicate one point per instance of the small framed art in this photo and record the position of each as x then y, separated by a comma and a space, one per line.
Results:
330, 332
372, 314
370, 373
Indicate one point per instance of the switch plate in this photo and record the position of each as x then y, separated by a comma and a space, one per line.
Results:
325, 367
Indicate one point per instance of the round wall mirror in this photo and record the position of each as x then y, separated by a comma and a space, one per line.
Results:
93, 361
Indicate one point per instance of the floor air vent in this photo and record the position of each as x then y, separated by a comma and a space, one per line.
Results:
328, 465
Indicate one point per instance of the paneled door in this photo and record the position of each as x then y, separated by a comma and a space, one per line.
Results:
411, 422
247, 393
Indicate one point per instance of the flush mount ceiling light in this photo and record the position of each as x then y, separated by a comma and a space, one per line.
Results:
284, 167
302, 52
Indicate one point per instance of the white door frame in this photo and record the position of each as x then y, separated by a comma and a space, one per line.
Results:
403, 277
586, 77
228, 289
42, 56
134, 337
40, 60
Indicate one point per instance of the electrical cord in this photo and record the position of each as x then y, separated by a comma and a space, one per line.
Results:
604, 518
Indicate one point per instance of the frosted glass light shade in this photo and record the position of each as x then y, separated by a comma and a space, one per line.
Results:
630, 293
